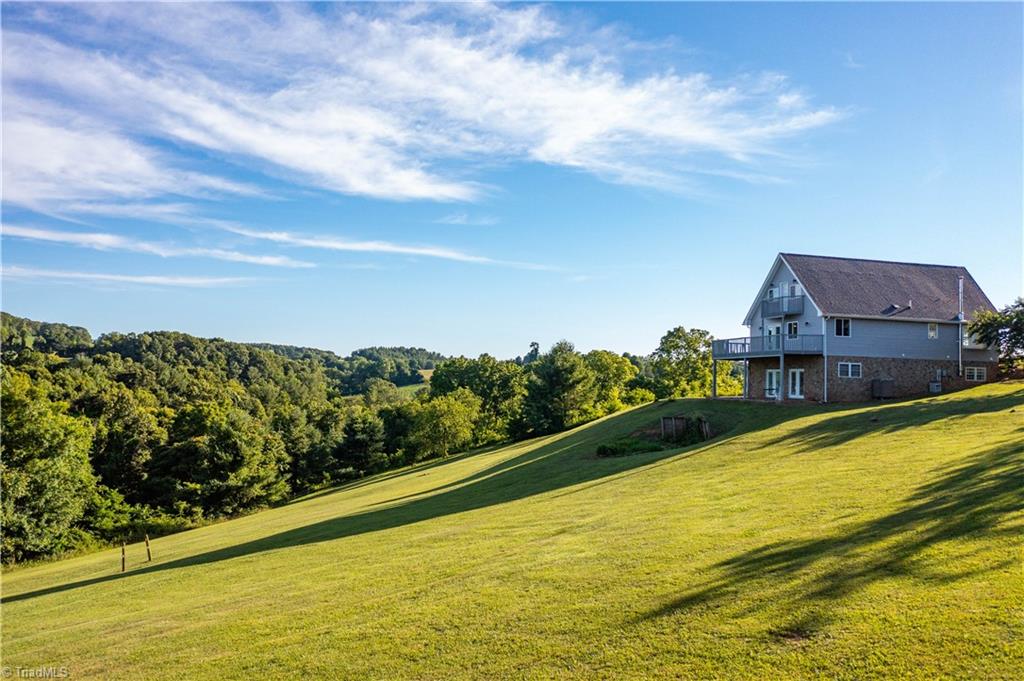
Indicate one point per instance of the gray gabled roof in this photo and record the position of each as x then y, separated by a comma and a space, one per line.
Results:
878, 288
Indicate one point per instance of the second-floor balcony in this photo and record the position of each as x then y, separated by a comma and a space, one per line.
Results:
767, 346
782, 306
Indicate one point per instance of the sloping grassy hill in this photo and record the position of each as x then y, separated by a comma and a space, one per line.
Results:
842, 542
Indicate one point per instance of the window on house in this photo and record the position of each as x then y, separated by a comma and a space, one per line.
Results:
842, 327
972, 342
850, 370
933, 331
975, 373
792, 329
772, 381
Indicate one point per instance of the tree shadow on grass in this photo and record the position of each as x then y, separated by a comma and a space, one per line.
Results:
414, 469
892, 418
565, 460
970, 500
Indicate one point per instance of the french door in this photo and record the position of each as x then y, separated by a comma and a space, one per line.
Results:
796, 384
772, 379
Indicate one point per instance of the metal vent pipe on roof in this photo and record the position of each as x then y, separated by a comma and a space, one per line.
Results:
960, 327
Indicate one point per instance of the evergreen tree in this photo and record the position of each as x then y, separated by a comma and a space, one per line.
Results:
560, 392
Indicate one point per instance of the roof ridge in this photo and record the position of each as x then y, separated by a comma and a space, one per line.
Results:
886, 262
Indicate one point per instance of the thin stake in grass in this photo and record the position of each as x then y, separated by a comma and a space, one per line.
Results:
149, 553
122, 556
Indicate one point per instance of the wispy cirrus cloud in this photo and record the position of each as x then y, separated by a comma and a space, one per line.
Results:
115, 242
183, 215
19, 272
152, 112
333, 243
463, 218
395, 102
50, 166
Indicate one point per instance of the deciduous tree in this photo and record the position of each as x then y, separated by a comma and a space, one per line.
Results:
44, 470
445, 424
682, 363
1005, 330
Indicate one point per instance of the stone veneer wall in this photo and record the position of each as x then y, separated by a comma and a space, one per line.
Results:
912, 376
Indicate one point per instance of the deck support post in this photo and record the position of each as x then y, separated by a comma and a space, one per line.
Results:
824, 356
746, 379
782, 369
714, 379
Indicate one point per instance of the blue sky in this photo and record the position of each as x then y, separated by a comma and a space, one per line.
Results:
472, 178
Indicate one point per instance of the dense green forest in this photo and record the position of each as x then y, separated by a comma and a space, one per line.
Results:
109, 438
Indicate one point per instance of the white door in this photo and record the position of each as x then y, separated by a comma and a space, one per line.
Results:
772, 378
796, 383
774, 337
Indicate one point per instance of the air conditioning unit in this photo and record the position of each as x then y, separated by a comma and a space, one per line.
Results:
935, 387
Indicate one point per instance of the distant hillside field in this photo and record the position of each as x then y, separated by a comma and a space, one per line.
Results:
803, 542
414, 388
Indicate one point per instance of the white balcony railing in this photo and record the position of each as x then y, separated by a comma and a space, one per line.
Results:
761, 346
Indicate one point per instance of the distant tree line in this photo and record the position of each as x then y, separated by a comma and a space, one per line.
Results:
156, 432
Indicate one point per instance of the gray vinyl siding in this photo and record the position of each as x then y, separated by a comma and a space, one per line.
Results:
882, 338
870, 337
809, 321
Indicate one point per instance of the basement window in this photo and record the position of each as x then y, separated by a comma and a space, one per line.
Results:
933, 330
850, 370
843, 327
976, 374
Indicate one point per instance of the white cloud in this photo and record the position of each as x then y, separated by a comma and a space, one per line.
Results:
179, 214
331, 243
18, 272
462, 218
396, 102
47, 165
114, 242
158, 212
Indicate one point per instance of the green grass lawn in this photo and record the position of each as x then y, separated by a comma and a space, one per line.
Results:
411, 390
856, 542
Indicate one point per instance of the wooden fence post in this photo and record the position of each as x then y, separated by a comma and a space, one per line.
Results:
122, 556
149, 553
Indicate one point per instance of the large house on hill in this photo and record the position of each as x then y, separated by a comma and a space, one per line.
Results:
841, 329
